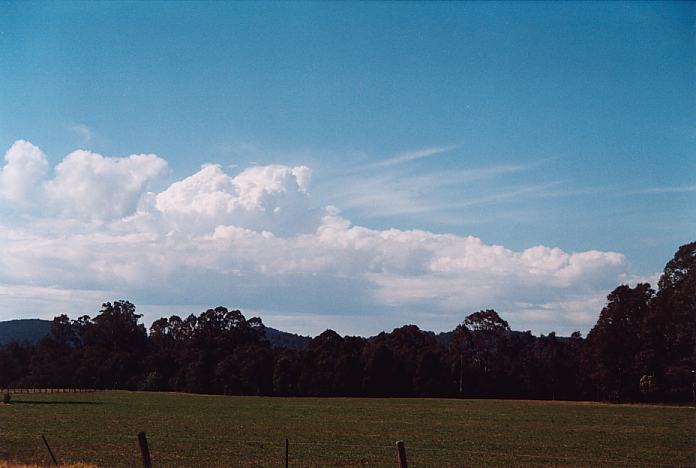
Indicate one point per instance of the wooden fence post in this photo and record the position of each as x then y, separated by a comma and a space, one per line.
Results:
50, 452
401, 451
286, 453
144, 450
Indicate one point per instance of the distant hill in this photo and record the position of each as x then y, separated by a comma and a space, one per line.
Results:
281, 339
31, 330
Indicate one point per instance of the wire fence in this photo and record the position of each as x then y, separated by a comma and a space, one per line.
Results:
449, 455
304, 454
12, 390
301, 453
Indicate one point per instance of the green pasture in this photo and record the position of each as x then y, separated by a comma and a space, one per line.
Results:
195, 430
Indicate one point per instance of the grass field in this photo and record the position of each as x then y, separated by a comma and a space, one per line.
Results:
193, 430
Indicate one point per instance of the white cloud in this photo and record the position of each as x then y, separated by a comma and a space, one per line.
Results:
413, 155
260, 197
390, 192
89, 185
257, 240
25, 166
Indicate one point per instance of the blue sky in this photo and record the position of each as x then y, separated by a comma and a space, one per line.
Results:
565, 125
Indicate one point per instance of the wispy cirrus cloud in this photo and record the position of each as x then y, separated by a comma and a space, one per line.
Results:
651, 190
396, 191
410, 156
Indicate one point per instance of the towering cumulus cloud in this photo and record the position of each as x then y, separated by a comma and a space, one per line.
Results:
90, 185
269, 197
25, 166
258, 239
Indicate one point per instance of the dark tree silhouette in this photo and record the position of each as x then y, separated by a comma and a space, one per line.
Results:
671, 328
643, 347
486, 321
614, 342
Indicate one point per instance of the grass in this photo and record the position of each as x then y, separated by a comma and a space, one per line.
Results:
195, 430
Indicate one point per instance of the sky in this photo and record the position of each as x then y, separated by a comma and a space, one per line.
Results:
354, 166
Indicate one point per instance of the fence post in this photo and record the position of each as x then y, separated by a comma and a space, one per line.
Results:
401, 451
286, 453
50, 452
144, 450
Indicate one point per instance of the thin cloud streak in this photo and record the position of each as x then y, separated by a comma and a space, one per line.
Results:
396, 193
685, 189
621, 191
532, 191
400, 201
410, 156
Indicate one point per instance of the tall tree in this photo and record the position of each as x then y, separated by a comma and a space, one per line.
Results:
488, 334
671, 330
616, 340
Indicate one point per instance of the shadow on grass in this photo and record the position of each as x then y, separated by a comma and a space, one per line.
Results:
54, 402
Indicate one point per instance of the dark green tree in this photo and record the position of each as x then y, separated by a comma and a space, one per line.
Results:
670, 348
616, 340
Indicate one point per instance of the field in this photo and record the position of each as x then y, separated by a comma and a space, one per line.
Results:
194, 430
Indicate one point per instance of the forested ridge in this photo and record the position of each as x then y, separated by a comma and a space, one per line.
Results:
642, 348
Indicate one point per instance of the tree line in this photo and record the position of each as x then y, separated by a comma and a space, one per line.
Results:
642, 348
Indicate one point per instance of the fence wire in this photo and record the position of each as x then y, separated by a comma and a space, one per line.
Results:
412, 452
387, 452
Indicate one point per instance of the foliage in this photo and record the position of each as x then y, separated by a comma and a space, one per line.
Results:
642, 348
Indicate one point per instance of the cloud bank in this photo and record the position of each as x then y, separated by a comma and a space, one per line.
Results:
94, 228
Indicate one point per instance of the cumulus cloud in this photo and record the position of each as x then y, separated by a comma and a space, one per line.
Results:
258, 240
92, 186
25, 166
260, 197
